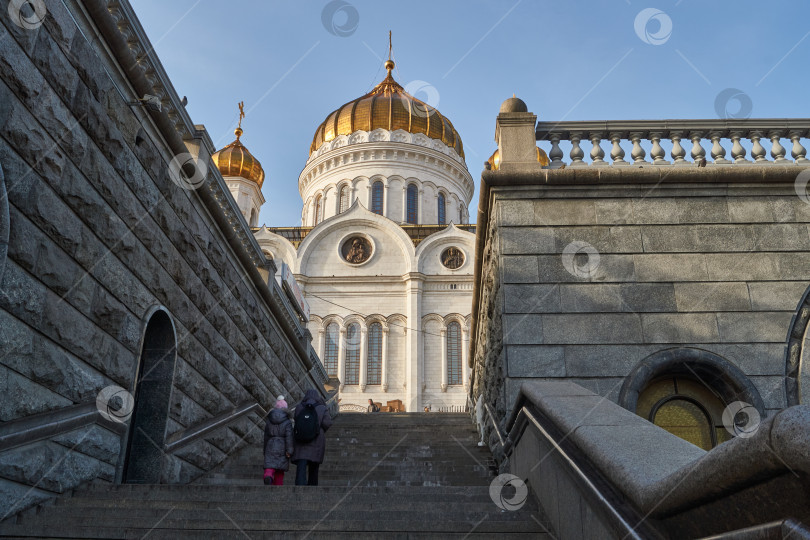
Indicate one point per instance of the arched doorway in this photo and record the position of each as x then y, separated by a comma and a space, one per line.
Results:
153, 390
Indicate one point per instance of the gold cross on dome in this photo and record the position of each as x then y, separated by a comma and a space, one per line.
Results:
241, 113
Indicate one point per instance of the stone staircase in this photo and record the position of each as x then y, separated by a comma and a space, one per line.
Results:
393, 476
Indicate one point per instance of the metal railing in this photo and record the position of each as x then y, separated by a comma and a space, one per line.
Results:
54, 423
187, 436
720, 133
494, 424
611, 504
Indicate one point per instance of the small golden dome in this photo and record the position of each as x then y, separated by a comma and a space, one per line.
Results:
495, 159
236, 160
387, 106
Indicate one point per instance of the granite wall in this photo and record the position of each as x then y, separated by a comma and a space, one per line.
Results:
99, 237
582, 279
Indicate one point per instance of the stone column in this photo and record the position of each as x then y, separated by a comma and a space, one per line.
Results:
405, 203
363, 358
322, 343
444, 359
385, 199
413, 342
342, 357
465, 344
514, 133
384, 365
420, 205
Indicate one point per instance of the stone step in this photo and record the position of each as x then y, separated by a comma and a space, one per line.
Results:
397, 476
102, 517
218, 522
45, 531
282, 495
198, 491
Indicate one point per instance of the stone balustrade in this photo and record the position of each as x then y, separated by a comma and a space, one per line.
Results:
749, 141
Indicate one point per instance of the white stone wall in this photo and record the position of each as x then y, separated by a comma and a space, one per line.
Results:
396, 159
378, 290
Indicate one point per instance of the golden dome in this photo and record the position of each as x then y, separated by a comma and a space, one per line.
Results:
387, 106
494, 160
236, 160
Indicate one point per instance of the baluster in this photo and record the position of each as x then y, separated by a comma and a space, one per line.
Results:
718, 152
778, 151
657, 152
556, 153
576, 152
798, 151
698, 152
617, 152
637, 153
678, 153
757, 150
597, 154
737, 150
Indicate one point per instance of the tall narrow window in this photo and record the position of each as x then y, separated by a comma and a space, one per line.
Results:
344, 199
318, 209
373, 370
413, 204
353, 354
454, 353
377, 197
460, 215
331, 350
442, 217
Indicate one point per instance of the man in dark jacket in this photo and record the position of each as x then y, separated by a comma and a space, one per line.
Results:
278, 443
308, 456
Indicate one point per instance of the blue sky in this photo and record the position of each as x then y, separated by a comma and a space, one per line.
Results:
572, 60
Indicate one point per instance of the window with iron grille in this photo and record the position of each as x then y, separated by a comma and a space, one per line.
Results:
353, 354
374, 368
413, 204
344, 199
442, 217
454, 353
331, 349
377, 198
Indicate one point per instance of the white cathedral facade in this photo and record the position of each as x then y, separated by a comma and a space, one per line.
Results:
384, 254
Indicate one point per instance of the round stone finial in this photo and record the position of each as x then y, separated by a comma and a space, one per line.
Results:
514, 104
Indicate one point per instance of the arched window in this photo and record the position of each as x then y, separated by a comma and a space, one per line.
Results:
442, 217
318, 209
352, 354
413, 204
460, 214
374, 368
344, 199
377, 197
453, 353
685, 407
253, 218
331, 349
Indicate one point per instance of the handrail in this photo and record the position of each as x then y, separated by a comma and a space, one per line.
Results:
492, 419
40, 426
586, 476
615, 515
186, 436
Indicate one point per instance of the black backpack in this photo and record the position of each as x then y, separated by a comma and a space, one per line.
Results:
307, 426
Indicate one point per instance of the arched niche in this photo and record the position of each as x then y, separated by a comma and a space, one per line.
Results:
153, 390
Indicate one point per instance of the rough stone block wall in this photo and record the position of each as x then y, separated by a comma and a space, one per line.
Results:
717, 268
99, 234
